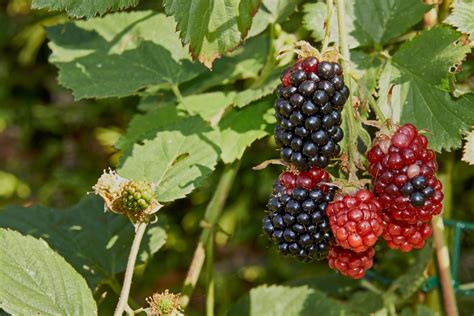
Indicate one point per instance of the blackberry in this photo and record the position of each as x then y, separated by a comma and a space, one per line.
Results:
308, 112
296, 220
403, 173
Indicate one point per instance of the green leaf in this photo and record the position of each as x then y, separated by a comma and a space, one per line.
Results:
313, 20
335, 285
364, 303
288, 301
174, 150
247, 96
271, 12
239, 128
243, 63
379, 22
462, 17
210, 106
35, 280
83, 8
212, 28
410, 88
95, 243
118, 55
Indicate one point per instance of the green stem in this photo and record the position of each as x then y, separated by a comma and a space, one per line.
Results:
210, 276
327, 30
132, 258
179, 97
115, 286
213, 211
348, 112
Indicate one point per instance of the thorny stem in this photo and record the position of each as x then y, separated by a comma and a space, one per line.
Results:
327, 25
132, 258
348, 111
213, 211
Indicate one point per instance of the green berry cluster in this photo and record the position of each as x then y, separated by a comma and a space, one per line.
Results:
135, 197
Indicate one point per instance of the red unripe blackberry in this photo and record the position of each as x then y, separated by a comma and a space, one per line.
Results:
350, 263
403, 235
296, 220
397, 163
308, 111
355, 220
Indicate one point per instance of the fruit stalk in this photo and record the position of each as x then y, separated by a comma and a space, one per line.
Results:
327, 25
132, 258
348, 112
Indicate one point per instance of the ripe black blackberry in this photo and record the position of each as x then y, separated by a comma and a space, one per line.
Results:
296, 220
308, 111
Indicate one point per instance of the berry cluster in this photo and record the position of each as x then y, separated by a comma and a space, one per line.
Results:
356, 220
350, 263
403, 174
296, 220
308, 111
304, 217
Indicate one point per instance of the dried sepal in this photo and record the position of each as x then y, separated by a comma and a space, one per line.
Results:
164, 304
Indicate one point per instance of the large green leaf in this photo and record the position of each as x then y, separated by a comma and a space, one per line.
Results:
83, 8
35, 280
379, 22
212, 28
243, 63
462, 17
239, 128
94, 242
174, 150
288, 301
410, 87
120, 54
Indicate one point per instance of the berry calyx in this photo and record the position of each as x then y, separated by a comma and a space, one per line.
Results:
355, 220
350, 263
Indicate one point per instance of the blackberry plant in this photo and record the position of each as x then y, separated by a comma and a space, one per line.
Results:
371, 93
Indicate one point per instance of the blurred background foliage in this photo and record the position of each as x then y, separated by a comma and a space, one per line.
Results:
52, 149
